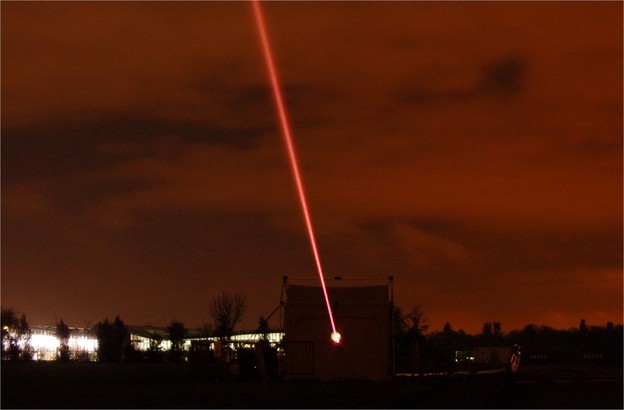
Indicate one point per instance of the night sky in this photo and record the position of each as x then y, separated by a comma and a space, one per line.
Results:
471, 150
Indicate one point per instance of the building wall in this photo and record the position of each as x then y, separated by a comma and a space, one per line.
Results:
363, 318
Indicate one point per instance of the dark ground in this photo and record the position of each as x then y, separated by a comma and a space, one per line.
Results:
98, 385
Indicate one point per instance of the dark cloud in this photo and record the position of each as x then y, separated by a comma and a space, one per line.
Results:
508, 248
54, 149
306, 105
502, 78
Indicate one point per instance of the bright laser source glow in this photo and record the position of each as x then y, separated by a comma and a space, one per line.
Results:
335, 336
291, 150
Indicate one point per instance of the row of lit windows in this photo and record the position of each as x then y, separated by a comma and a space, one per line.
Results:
45, 344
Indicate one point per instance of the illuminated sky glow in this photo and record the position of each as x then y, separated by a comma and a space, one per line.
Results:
472, 150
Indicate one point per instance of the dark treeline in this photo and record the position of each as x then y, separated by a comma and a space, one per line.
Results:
415, 349
113, 341
586, 339
412, 343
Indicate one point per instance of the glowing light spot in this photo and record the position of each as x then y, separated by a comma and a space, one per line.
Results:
277, 94
335, 337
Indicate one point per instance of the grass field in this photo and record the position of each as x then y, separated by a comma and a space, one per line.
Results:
99, 385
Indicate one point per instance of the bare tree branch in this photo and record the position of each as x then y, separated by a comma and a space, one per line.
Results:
226, 311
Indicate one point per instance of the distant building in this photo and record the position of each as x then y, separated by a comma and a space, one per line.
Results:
45, 344
83, 342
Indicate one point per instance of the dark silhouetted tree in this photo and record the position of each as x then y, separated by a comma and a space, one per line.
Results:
9, 324
583, 326
487, 329
263, 328
130, 352
497, 329
62, 333
154, 353
15, 336
227, 310
24, 334
416, 321
177, 333
409, 337
104, 337
112, 339
449, 339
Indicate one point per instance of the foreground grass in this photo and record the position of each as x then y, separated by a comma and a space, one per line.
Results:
99, 385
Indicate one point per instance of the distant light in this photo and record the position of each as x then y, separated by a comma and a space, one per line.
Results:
44, 342
335, 337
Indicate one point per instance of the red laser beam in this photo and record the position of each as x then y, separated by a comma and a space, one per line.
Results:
277, 94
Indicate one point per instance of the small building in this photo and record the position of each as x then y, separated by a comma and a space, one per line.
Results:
363, 317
